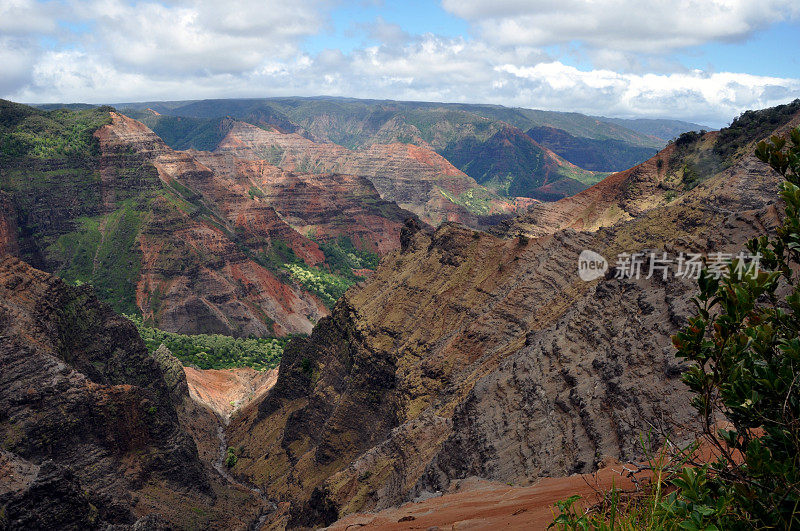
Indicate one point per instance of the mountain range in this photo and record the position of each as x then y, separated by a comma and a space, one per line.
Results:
442, 332
491, 144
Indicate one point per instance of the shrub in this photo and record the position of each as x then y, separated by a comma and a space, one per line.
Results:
231, 458
214, 351
743, 344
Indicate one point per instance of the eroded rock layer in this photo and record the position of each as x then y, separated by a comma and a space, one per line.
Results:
414, 177
470, 354
89, 424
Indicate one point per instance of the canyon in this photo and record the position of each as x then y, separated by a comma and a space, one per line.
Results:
523, 370
471, 378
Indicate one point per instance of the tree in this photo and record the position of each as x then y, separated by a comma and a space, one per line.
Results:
744, 347
743, 344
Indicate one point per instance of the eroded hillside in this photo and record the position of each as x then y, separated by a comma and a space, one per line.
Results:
193, 241
470, 354
94, 430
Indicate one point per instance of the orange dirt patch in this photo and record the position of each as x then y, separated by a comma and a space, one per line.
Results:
226, 390
480, 504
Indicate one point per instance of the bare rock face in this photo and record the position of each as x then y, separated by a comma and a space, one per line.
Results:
225, 391
471, 354
416, 178
8, 226
93, 427
78, 388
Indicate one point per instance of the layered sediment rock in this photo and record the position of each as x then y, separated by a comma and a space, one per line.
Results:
416, 178
89, 425
470, 354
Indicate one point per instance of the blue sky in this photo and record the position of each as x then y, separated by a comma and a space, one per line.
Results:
695, 60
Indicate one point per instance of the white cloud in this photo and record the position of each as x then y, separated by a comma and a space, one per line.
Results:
713, 98
16, 57
193, 49
22, 17
631, 25
197, 36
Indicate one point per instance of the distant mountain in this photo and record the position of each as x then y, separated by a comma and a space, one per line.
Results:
591, 154
195, 242
510, 161
462, 133
659, 128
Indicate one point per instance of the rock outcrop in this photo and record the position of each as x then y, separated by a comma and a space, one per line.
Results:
471, 354
89, 424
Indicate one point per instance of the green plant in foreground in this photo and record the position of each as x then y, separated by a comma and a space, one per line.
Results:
743, 344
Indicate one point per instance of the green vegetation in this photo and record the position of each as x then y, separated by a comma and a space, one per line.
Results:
102, 252
693, 163
591, 154
743, 344
342, 256
214, 351
751, 126
180, 132
60, 133
231, 458
254, 192
327, 286
278, 255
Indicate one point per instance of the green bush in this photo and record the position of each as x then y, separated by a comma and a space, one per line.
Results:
342, 257
231, 459
743, 344
214, 351
327, 286
61, 133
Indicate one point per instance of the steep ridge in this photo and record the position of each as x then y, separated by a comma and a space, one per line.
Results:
225, 291
91, 421
512, 163
414, 177
470, 354
325, 206
191, 240
589, 153
662, 180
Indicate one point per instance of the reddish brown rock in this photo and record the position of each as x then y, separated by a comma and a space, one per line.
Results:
416, 178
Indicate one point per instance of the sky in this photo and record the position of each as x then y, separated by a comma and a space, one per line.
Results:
704, 61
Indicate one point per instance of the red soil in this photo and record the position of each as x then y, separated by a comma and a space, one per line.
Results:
481, 504
225, 391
